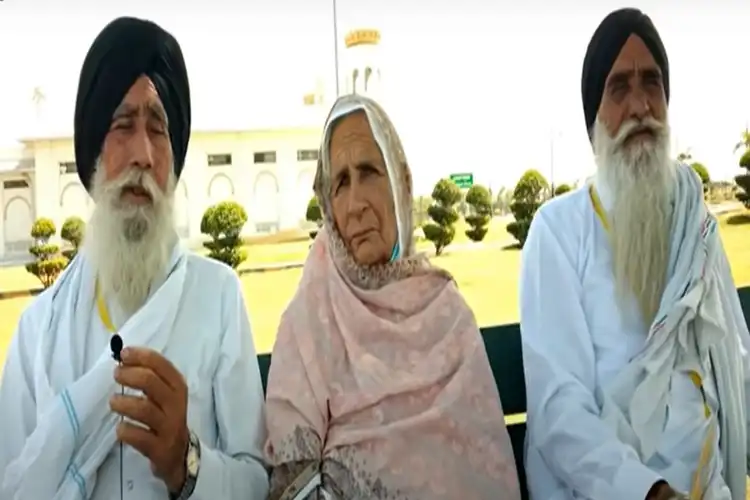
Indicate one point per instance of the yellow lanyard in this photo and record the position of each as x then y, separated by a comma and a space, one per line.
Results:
101, 305
598, 208
697, 487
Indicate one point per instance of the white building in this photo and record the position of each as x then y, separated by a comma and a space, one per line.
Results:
268, 168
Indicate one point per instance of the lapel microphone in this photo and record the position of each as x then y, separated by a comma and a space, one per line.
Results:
115, 343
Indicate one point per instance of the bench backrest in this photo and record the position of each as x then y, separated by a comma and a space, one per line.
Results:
503, 345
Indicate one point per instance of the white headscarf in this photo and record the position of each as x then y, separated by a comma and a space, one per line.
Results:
404, 261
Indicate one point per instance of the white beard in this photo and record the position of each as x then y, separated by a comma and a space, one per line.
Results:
130, 245
641, 178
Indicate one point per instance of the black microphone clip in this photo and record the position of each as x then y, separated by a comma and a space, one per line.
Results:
115, 343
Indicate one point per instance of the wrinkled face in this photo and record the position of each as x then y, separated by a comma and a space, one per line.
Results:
634, 108
361, 196
131, 232
631, 144
137, 146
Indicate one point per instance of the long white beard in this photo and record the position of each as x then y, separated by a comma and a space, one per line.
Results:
130, 245
641, 178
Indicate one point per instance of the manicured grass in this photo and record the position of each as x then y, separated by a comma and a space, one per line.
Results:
288, 246
488, 279
487, 276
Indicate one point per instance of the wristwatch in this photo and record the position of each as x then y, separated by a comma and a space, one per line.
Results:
192, 467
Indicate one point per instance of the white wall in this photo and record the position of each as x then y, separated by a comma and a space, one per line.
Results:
272, 193
18, 215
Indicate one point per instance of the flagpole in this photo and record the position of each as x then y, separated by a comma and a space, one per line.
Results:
336, 46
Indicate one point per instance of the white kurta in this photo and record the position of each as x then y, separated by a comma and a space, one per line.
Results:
575, 341
212, 346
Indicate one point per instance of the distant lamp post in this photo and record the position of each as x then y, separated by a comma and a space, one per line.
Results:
336, 46
554, 134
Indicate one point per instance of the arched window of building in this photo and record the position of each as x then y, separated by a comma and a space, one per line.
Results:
355, 77
368, 74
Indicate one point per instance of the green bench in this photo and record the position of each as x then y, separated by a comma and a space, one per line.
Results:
503, 344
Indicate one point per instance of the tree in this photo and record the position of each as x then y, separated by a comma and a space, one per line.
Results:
479, 200
314, 214
72, 231
48, 262
499, 203
419, 210
562, 189
223, 223
685, 156
744, 142
702, 172
443, 212
528, 196
503, 200
743, 180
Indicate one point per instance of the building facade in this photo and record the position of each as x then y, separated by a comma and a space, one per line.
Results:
269, 171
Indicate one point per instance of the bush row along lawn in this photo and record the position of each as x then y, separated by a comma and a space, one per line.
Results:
285, 247
487, 277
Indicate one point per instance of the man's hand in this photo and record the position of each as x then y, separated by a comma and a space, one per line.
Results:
163, 410
662, 491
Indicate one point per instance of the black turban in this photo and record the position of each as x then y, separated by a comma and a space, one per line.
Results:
604, 48
126, 49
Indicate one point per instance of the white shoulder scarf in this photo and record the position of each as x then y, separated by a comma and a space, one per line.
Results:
75, 428
692, 322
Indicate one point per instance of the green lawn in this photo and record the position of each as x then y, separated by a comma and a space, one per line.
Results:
291, 246
487, 277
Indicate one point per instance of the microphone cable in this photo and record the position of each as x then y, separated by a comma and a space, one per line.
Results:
115, 343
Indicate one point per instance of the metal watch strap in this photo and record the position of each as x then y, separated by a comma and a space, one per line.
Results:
194, 446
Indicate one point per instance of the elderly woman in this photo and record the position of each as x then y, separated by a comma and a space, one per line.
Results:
380, 387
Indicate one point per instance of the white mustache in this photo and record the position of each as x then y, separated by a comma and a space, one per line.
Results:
135, 177
631, 126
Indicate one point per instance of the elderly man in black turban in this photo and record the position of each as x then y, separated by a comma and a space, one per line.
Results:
178, 413
634, 340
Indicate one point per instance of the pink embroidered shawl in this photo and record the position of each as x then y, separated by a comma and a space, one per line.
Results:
388, 390
379, 384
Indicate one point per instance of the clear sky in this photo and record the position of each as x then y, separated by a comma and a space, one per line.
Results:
482, 86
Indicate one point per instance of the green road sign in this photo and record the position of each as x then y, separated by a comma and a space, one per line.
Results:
464, 181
